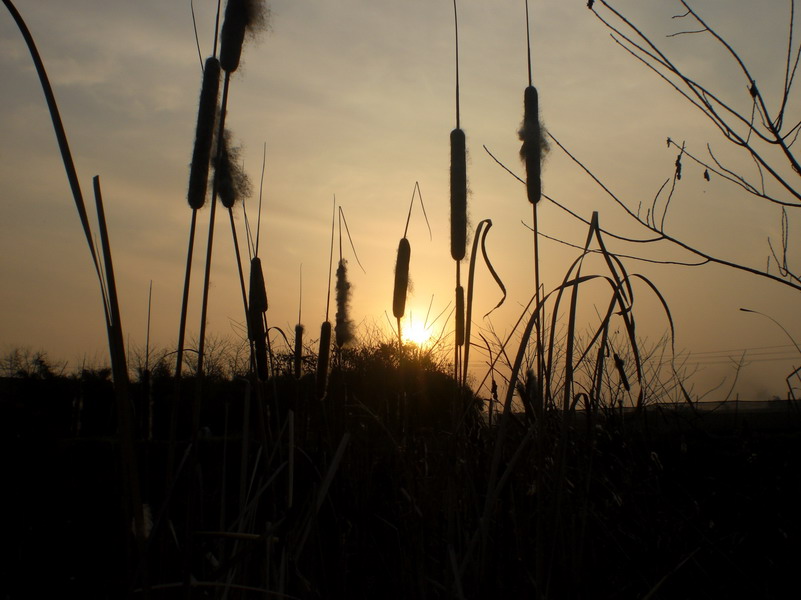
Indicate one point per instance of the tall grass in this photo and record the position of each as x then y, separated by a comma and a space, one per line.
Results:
427, 489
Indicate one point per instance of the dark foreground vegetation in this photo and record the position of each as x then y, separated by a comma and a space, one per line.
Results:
400, 489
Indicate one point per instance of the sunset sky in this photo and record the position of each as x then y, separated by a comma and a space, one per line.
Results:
355, 99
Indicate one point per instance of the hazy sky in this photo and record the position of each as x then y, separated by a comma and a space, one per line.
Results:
355, 98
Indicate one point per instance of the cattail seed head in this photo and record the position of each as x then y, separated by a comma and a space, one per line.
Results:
343, 329
323, 356
460, 316
401, 278
258, 291
534, 144
241, 16
458, 195
298, 357
232, 182
204, 134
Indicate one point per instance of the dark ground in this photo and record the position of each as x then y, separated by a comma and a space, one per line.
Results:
683, 504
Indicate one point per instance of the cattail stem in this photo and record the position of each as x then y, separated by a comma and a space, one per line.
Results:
540, 308
323, 357
298, 356
207, 272
238, 261
528, 44
257, 308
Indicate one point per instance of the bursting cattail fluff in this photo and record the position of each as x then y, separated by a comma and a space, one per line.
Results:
232, 182
460, 316
241, 16
343, 329
458, 195
323, 356
298, 357
401, 278
204, 134
535, 146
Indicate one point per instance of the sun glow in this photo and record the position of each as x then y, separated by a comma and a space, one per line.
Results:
417, 333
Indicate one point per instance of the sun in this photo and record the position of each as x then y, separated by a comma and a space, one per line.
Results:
417, 333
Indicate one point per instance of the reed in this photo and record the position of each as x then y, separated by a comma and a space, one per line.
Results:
344, 327
459, 315
323, 358
458, 195
257, 308
241, 17
233, 184
401, 278
298, 353
204, 134
532, 148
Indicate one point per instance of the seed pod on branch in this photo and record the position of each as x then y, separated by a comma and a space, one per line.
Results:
401, 278
458, 194
204, 134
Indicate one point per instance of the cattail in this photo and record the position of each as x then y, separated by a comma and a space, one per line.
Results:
259, 338
401, 278
343, 329
620, 366
204, 134
460, 316
323, 356
232, 182
458, 194
534, 144
258, 291
298, 358
257, 306
240, 16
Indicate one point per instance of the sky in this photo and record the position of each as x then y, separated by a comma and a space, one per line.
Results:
355, 100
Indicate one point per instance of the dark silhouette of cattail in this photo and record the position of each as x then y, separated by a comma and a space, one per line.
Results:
458, 194
240, 16
678, 166
298, 357
534, 144
620, 366
204, 134
401, 278
259, 339
257, 306
459, 315
323, 356
232, 182
343, 328
258, 291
